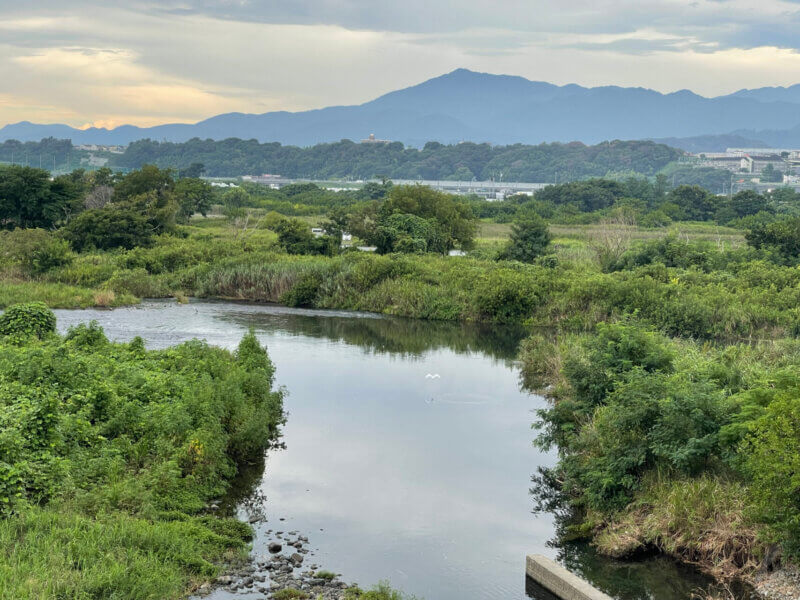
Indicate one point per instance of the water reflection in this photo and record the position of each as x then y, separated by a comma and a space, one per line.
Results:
392, 474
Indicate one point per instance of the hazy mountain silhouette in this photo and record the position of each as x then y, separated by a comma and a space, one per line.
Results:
502, 109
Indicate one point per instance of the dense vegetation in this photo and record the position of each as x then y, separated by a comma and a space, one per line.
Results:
351, 160
671, 431
110, 455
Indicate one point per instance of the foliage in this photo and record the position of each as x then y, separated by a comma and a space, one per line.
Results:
109, 454
772, 461
107, 228
29, 319
296, 237
193, 196
28, 198
350, 160
782, 236
420, 213
529, 239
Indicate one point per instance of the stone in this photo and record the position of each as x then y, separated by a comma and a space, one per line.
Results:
274, 548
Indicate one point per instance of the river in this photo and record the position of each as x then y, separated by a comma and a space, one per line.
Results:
408, 453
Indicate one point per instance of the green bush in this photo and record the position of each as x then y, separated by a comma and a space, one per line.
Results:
506, 295
29, 319
772, 460
109, 455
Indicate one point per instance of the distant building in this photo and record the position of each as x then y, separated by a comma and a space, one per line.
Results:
101, 148
723, 160
373, 140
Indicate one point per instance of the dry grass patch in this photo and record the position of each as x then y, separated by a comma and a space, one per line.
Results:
700, 521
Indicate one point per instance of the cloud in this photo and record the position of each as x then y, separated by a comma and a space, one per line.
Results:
150, 62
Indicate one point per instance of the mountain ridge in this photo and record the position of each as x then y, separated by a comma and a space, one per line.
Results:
482, 107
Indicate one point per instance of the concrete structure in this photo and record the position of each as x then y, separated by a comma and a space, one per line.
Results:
558, 580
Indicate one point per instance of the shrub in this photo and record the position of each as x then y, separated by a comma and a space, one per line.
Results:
137, 282
54, 253
29, 319
109, 455
773, 462
305, 291
506, 295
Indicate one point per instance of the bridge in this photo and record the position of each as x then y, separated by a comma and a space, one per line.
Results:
493, 190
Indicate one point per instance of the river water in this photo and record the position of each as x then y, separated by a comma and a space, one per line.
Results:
408, 453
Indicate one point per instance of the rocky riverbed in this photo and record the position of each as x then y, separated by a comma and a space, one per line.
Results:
289, 565
782, 584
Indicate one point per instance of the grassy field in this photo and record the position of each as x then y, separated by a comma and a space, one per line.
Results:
497, 232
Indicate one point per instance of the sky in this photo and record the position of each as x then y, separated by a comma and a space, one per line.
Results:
113, 62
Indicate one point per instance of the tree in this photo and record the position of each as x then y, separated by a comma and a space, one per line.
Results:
453, 218
748, 202
234, 201
29, 199
529, 239
783, 236
150, 192
295, 237
695, 203
147, 179
193, 171
108, 228
588, 196
402, 232
193, 196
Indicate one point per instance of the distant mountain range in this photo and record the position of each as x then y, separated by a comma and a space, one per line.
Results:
501, 109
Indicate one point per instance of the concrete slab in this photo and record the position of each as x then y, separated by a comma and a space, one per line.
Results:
558, 580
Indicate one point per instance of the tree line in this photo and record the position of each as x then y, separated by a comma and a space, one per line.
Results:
346, 159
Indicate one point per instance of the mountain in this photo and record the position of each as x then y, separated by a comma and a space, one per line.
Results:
771, 94
465, 105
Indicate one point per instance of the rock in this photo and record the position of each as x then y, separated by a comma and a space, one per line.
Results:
225, 579
296, 558
274, 548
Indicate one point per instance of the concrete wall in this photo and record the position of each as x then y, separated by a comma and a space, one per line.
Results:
558, 580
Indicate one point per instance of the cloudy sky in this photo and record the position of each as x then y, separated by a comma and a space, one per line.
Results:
109, 62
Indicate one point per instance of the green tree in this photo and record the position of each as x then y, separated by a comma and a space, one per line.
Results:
29, 199
783, 236
295, 237
694, 202
107, 228
529, 238
234, 201
402, 232
142, 181
454, 219
193, 196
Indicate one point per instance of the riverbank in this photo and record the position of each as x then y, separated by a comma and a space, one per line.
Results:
703, 292
670, 445
112, 456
